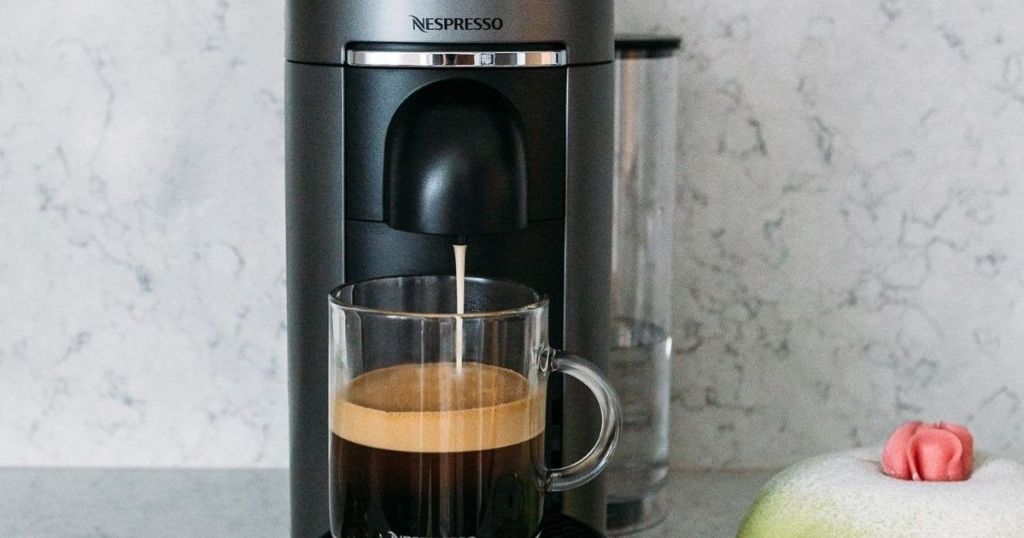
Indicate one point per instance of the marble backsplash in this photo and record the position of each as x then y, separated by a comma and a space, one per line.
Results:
142, 227
848, 250
849, 253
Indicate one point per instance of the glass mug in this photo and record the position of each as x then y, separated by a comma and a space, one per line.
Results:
423, 445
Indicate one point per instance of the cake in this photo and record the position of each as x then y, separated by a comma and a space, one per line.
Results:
923, 484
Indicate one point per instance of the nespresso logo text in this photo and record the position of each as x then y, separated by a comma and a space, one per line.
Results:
434, 24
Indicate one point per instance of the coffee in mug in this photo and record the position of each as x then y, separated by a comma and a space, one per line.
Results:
424, 450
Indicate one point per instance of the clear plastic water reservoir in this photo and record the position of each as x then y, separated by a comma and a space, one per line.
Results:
640, 361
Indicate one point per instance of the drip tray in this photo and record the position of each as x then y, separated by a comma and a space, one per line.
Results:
558, 526
562, 526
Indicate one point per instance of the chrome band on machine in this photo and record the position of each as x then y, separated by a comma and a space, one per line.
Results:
383, 58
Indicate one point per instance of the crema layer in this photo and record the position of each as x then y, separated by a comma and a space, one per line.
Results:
433, 408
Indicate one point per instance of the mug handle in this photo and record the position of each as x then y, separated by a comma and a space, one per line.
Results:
591, 465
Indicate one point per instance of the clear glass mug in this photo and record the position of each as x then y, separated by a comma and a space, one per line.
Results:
423, 444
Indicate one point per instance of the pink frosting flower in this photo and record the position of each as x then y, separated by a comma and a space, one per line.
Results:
942, 452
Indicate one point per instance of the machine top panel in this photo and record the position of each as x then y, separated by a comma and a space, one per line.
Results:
320, 31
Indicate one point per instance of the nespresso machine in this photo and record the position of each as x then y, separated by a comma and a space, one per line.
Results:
415, 123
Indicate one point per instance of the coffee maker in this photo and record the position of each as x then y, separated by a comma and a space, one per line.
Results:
413, 124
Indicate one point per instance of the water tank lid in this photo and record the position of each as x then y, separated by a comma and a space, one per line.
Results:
646, 45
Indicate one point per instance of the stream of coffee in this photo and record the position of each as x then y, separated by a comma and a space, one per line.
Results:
460, 301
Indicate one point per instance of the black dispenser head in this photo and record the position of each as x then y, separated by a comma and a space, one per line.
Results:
455, 162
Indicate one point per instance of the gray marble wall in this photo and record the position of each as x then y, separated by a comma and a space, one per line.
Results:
848, 253
142, 233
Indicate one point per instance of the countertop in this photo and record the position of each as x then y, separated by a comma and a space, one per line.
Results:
199, 503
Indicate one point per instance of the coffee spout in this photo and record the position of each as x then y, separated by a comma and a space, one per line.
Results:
455, 162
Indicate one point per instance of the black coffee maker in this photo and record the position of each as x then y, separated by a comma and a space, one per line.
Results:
412, 124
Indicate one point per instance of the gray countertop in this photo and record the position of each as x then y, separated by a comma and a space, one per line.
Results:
199, 503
